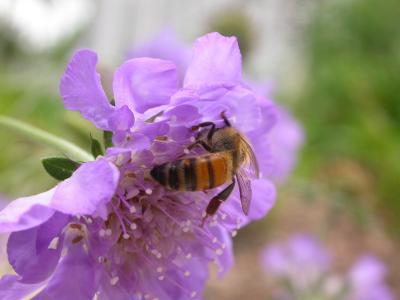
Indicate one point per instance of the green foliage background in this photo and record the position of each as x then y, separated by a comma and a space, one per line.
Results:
350, 102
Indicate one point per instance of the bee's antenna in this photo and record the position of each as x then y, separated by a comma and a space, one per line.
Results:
226, 121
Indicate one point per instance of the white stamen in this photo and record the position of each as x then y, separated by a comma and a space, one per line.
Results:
204, 214
234, 233
161, 278
133, 226
223, 216
186, 151
89, 220
189, 255
119, 160
213, 224
125, 236
214, 240
192, 139
185, 229
159, 269
64, 252
158, 255
148, 191
193, 294
54, 243
132, 193
114, 280
132, 209
102, 232
186, 274
108, 231
219, 251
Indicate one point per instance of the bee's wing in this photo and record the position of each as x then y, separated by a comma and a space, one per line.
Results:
248, 169
244, 190
250, 163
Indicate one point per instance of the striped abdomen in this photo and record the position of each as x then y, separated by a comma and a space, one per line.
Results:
197, 173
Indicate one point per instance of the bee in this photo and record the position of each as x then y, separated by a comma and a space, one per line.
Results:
229, 158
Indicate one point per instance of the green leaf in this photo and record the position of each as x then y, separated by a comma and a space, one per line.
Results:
60, 168
95, 147
107, 138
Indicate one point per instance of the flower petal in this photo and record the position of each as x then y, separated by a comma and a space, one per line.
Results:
73, 279
143, 83
27, 212
81, 89
11, 288
225, 260
263, 200
264, 196
166, 46
34, 253
90, 187
216, 58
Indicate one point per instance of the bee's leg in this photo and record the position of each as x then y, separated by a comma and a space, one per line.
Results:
226, 121
199, 143
217, 200
206, 124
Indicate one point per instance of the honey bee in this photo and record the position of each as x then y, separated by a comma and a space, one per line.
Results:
228, 156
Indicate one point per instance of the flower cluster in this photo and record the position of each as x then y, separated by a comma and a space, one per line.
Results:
304, 265
110, 231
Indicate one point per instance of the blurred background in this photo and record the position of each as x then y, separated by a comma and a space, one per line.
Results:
334, 64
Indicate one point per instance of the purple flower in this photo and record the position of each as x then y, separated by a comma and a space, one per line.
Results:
367, 280
110, 230
303, 264
286, 135
301, 261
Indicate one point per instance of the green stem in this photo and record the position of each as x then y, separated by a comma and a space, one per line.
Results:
49, 139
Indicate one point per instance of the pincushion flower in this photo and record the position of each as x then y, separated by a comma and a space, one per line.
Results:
286, 135
367, 280
110, 231
302, 261
304, 265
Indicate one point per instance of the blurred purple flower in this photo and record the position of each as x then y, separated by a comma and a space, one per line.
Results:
303, 264
109, 230
302, 261
285, 138
367, 280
